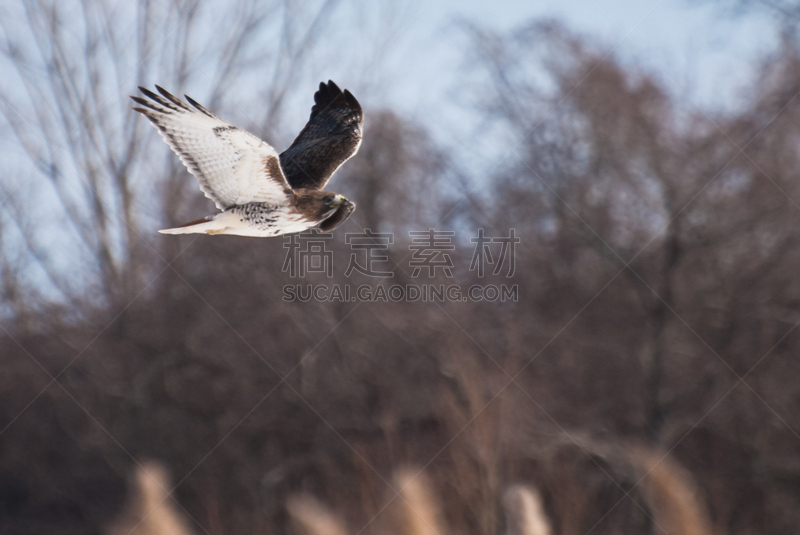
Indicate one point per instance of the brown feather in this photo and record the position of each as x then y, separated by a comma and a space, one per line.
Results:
331, 136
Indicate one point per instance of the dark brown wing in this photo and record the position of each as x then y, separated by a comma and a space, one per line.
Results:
331, 136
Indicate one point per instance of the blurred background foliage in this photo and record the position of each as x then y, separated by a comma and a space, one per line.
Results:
657, 311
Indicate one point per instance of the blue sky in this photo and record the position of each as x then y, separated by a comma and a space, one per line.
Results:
409, 57
701, 52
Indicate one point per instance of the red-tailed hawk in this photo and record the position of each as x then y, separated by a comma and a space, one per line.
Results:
258, 192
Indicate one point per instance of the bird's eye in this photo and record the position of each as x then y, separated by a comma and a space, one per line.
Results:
327, 200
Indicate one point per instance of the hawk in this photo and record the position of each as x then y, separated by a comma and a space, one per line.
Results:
258, 192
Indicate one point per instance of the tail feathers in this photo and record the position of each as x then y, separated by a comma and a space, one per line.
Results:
204, 225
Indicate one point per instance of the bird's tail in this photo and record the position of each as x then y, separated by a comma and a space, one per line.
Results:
205, 225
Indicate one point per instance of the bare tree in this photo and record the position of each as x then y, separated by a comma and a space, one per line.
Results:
83, 158
658, 302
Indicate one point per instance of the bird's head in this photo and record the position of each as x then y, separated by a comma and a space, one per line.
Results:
329, 209
333, 200
343, 211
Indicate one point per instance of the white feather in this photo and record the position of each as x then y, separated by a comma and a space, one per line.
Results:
230, 164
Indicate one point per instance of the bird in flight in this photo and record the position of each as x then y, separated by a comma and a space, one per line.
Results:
258, 192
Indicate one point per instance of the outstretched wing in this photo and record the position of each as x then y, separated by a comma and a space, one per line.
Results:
331, 136
231, 165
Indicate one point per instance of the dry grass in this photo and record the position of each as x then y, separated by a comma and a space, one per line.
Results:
150, 511
421, 512
670, 492
524, 512
312, 517
671, 496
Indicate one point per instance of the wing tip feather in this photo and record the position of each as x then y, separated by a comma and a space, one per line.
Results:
167, 103
145, 103
199, 106
351, 100
172, 98
330, 95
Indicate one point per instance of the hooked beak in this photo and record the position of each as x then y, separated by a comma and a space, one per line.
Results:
338, 200
338, 217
